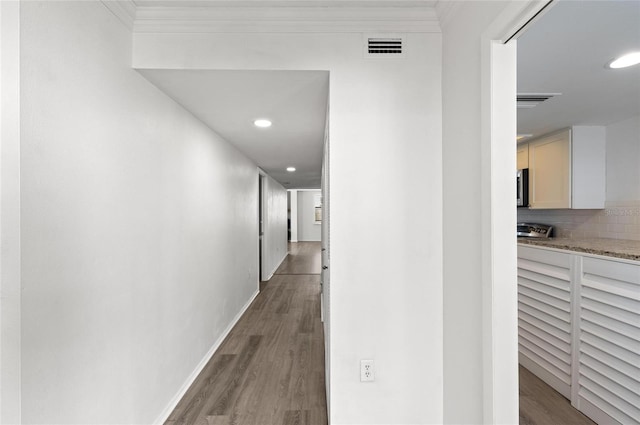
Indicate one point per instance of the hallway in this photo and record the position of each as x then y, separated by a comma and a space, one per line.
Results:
270, 369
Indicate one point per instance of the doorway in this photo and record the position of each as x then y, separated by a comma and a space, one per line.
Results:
570, 97
261, 212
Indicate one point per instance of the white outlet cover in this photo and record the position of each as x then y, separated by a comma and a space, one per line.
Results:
367, 371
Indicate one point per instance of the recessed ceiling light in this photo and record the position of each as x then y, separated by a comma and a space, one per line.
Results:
291, 169
262, 123
629, 59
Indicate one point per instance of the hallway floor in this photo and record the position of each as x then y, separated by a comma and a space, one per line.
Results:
270, 369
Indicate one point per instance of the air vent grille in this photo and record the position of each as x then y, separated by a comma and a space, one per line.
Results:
384, 46
531, 100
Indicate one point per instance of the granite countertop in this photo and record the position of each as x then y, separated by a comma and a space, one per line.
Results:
618, 248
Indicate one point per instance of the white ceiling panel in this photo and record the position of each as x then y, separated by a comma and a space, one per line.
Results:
565, 52
229, 102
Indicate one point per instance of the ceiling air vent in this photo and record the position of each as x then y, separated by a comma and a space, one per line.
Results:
384, 47
531, 100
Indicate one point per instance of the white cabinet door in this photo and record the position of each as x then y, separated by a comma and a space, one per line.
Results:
588, 173
522, 159
567, 169
550, 171
608, 382
544, 316
579, 330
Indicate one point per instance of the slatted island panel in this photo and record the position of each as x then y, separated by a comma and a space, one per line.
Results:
579, 329
544, 316
609, 341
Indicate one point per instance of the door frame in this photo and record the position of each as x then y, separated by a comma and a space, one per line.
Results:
10, 257
498, 242
262, 217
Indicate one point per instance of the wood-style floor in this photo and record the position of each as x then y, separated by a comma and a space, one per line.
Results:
270, 369
303, 258
542, 405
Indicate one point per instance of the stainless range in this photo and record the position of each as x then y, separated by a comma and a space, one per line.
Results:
534, 230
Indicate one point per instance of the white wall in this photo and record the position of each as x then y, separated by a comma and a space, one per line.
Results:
275, 227
623, 162
386, 285
325, 274
461, 179
471, 284
308, 229
9, 212
139, 227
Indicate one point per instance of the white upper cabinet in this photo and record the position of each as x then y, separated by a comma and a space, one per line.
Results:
567, 169
588, 167
523, 156
550, 171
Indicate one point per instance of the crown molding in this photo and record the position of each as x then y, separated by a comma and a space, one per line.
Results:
285, 19
279, 16
284, 3
124, 10
446, 10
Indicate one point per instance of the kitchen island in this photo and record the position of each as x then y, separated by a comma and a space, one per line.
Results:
579, 322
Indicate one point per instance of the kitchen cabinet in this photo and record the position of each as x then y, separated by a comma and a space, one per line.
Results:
608, 341
544, 316
550, 171
567, 169
522, 160
579, 329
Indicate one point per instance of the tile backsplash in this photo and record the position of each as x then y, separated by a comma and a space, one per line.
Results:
615, 222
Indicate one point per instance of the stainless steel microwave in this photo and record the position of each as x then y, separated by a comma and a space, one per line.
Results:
522, 187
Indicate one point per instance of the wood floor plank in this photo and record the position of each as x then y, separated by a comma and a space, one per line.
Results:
297, 417
306, 322
286, 367
285, 301
224, 402
188, 409
303, 258
250, 405
218, 420
260, 302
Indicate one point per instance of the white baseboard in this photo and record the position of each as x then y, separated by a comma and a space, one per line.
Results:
276, 267
598, 415
162, 418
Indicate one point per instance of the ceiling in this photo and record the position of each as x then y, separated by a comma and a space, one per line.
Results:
287, 3
230, 101
565, 51
295, 101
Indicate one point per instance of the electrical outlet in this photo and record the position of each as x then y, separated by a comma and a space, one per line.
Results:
367, 371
